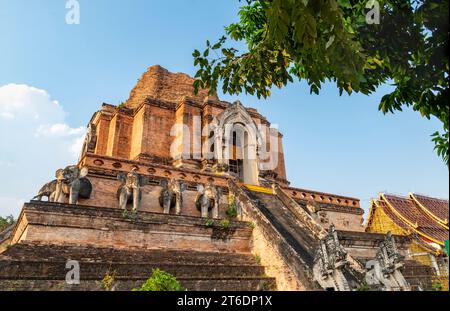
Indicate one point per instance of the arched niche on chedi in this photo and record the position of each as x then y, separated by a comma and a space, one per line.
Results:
237, 143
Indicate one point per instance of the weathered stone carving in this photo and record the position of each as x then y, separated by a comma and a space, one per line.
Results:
385, 269
71, 182
220, 167
90, 139
46, 191
130, 190
207, 200
268, 174
172, 195
321, 215
207, 165
329, 262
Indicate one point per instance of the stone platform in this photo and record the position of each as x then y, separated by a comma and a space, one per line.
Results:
200, 255
43, 267
63, 224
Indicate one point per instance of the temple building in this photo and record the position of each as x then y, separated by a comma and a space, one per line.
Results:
164, 128
198, 187
423, 218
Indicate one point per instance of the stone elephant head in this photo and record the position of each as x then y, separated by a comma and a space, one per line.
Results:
208, 198
172, 195
72, 181
130, 189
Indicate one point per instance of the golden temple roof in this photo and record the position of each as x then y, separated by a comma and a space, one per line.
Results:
422, 216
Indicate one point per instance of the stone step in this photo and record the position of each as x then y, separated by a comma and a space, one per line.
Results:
286, 223
43, 267
39, 252
132, 270
190, 284
418, 274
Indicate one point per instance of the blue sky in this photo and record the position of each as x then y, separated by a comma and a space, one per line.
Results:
341, 145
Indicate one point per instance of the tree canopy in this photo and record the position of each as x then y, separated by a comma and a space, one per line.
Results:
356, 44
5, 222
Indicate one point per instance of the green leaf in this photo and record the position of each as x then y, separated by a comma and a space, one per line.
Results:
345, 4
330, 40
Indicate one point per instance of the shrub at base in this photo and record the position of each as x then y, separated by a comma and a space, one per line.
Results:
224, 224
160, 281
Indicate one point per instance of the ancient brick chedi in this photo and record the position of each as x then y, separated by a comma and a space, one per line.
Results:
196, 186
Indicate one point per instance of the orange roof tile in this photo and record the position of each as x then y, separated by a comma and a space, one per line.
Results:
409, 215
437, 207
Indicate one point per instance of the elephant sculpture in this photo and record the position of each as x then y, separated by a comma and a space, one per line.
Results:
46, 191
70, 181
172, 195
207, 200
130, 190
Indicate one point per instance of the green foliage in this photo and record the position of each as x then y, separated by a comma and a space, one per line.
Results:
232, 208
5, 222
251, 224
121, 105
258, 259
209, 222
330, 40
265, 286
364, 287
161, 281
231, 211
108, 281
437, 286
224, 224
441, 145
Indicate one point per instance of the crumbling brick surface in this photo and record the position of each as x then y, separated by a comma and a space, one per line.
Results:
158, 82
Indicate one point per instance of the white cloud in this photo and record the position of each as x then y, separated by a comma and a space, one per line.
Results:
59, 130
23, 100
35, 140
6, 164
76, 146
6, 115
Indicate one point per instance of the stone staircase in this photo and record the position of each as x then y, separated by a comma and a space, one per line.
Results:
286, 224
202, 256
283, 242
43, 267
296, 234
419, 276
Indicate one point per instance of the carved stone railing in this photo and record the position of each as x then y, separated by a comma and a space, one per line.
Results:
350, 265
292, 260
316, 229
